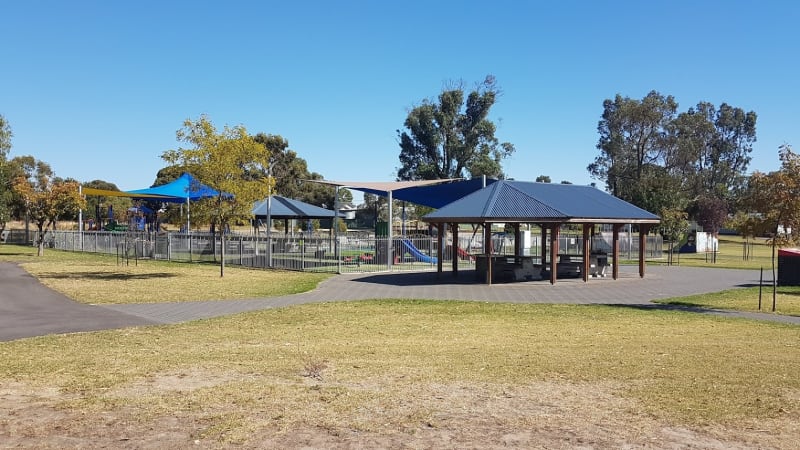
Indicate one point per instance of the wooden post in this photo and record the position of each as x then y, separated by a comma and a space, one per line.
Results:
615, 250
487, 248
554, 252
454, 227
643, 230
587, 228
439, 239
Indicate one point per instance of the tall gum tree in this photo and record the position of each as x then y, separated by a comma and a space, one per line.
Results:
224, 161
453, 137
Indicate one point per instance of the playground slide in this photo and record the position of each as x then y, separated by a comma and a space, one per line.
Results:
418, 255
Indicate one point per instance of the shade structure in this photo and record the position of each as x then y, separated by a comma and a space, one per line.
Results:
286, 208
186, 187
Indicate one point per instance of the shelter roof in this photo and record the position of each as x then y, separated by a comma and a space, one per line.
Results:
286, 208
183, 188
528, 202
432, 193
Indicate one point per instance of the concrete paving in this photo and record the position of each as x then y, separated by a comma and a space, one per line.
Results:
27, 308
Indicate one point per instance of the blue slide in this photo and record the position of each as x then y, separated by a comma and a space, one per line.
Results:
418, 255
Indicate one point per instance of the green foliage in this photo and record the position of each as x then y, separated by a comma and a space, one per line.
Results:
453, 137
657, 160
45, 197
5, 178
230, 162
543, 179
99, 203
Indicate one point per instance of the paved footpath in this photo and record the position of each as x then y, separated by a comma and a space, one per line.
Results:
27, 308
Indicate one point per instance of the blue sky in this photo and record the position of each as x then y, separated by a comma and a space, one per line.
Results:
98, 89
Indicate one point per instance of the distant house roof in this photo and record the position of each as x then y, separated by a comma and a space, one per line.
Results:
528, 202
286, 208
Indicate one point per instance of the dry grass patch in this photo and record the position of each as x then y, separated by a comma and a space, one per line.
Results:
98, 279
399, 373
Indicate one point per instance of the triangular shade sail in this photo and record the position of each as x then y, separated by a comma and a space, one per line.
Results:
286, 208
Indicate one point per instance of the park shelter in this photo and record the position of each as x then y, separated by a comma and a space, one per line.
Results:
548, 205
277, 207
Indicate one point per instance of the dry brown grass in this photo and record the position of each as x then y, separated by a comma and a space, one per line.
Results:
405, 370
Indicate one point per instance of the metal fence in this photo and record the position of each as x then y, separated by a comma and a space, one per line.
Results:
350, 252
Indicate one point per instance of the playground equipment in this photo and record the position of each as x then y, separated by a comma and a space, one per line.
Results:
418, 255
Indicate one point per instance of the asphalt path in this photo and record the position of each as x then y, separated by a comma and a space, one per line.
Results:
28, 308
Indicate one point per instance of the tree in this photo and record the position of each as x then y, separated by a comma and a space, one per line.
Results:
543, 179
632, 137
291, 174
712, 147
46, 198
712, 213
673, 226
222, 160
96, 204
451, 137
774, 199
5, 177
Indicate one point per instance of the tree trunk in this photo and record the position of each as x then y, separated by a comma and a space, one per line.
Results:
774, 278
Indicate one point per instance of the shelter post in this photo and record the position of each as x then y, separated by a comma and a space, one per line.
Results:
487, 249
587, 227
389, 237
615, 250
554, 252
643, 230
440, 244
454, 250
544, 244
517, 240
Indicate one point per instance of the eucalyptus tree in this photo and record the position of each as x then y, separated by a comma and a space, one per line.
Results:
453, 137
633, 137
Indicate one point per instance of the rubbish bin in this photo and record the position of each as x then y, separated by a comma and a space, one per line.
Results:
789, 267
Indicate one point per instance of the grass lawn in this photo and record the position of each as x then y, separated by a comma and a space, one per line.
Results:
394, 373
787, 300
94, 278
730, 255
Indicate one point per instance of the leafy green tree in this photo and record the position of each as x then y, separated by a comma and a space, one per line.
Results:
5, 176
46, 198
712, 147
543, 179
222, 160
673, 226
632, 138
453, 137
774, 199
291, 175
95, 204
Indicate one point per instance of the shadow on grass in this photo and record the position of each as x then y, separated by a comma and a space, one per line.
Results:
700, 309
106, 276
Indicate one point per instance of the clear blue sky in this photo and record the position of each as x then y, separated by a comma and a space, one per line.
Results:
97, 89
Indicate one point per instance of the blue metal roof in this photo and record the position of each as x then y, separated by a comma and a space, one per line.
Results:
522, 201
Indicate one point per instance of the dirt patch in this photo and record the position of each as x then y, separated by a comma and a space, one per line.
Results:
458, 415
